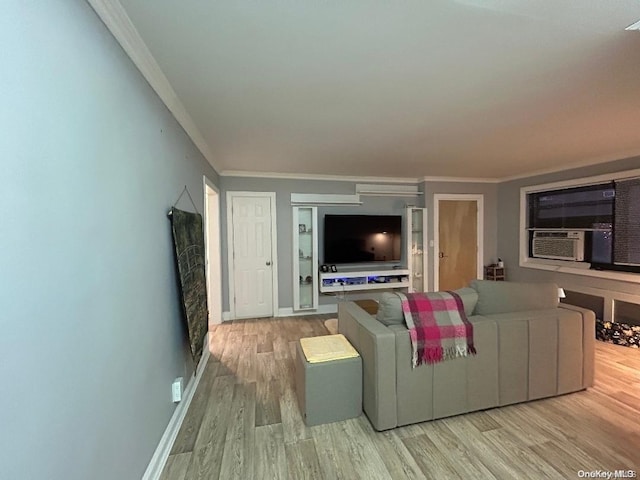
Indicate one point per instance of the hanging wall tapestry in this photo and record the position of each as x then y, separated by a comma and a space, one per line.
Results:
188, 241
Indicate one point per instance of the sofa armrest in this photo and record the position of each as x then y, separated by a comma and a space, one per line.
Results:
588, 342
376, 345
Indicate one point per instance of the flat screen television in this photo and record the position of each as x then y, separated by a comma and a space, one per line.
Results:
362, 238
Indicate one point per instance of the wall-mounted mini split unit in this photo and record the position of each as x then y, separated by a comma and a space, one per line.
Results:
559, 245
324, 199
387, 190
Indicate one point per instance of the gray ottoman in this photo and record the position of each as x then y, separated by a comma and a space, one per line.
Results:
328, 391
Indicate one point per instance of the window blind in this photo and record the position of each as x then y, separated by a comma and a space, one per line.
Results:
626, 240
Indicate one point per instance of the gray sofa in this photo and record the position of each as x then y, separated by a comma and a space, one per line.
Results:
528, 347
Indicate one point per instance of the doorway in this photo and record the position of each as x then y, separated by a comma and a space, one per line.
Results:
252, 257
458, 230
212, 251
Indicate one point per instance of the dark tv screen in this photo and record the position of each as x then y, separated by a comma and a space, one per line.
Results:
362, 238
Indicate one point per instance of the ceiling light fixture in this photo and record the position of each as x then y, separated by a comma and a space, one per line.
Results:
635, 26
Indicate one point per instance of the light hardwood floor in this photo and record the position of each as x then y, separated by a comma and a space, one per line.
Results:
244, 423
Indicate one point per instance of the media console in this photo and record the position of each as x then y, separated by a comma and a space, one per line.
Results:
363, 280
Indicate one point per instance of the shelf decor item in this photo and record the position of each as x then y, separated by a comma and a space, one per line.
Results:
494, 272
364, 280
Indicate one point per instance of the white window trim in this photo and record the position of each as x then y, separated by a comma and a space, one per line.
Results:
560, 266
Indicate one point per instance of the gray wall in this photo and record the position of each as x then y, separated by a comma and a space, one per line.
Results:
490, 193
509, 225
283, 189
91, 326
371, 205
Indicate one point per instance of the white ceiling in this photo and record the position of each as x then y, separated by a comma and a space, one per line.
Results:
467, 88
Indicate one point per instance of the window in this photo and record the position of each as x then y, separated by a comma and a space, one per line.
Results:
578, 207
587, 224
627, 223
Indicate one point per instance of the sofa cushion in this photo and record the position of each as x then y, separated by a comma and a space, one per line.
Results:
390, 309
390, 306
524, 315
505, 297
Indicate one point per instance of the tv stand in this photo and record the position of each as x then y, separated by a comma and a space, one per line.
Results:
354, 280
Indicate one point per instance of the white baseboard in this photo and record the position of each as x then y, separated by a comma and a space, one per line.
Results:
321, 310
160, 456
288, 312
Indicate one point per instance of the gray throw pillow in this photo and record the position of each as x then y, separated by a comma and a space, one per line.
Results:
390, 309
390, 306
504, 297
469, 299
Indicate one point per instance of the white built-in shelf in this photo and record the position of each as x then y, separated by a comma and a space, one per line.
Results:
363, 280
416, 224
305, 258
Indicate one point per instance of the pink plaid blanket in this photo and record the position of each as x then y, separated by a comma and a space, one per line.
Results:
438, 326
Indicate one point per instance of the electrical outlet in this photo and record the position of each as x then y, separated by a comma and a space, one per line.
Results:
176, 390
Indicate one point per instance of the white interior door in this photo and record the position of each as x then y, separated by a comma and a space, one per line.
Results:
252, 256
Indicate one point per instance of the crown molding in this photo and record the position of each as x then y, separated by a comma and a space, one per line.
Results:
585, 163
114, 16
314, 176
634, 26
351, 178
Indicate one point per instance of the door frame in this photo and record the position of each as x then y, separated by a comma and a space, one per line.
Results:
213, 250
231, 249
479, 199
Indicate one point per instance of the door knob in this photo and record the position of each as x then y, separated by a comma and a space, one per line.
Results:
268, 263
442, 255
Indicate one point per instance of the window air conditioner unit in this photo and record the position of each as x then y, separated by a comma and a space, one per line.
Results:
559, 245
